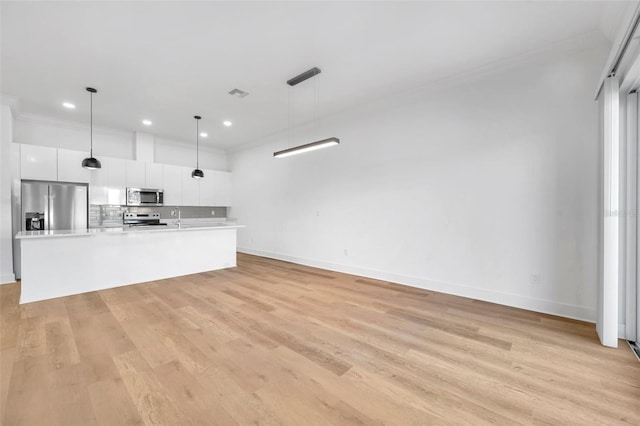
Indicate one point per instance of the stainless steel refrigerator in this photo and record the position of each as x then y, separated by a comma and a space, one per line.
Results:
54, 206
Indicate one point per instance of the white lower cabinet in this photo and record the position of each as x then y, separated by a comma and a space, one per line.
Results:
190, 188
172, 185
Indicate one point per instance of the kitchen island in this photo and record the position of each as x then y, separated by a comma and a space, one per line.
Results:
63, 263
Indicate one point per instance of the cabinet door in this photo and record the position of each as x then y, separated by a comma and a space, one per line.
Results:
136, 174
98, 180
116, 181
207, 188
222, 189
108, 184
153, 173
38, 162
70, 166
190, 188
172, 185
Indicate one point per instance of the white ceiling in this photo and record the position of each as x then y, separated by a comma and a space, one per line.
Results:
167, 61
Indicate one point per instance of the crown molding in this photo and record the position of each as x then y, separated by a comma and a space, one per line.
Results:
28, 118
186, 144
66, 124
624, 33
10, 101
583, 42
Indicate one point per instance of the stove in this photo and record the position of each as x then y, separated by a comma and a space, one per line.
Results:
142, 219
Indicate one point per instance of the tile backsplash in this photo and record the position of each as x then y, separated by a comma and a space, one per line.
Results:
111, 215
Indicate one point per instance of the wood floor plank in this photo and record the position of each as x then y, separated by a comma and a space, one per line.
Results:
275, 343
112, 403
149, 396
182, 387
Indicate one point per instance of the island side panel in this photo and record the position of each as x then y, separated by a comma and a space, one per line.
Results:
54, 267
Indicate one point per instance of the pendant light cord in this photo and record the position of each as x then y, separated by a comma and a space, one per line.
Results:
91, 121
292, 119
197, 146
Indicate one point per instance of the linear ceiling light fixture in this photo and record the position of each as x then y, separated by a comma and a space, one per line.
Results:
197, 173
324, 143
307, 147
304, 76
91, 163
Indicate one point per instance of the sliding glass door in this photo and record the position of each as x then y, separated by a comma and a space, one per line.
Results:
630, 301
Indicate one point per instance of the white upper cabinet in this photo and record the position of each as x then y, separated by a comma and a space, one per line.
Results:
38, 162
116, 181
215, 189
207, 188
153, 176
70, 166
98, 182
172, 185
108, 184
136, 174
222, 185
190, 188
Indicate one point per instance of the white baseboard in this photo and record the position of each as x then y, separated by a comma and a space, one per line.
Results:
514, 300
7, 279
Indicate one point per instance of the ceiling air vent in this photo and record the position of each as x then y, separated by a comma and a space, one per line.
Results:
238, 93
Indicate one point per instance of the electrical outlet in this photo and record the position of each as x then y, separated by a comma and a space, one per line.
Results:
534, 279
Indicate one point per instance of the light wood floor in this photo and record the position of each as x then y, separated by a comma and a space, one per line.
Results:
276, 343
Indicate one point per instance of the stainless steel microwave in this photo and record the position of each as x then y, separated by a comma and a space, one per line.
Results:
145, 197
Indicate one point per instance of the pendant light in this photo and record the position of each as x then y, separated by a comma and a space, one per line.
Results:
197, 173
91, 163
324, 143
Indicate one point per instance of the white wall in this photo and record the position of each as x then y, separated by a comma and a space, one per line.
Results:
184, 154
36, 130
486, 189
6, 253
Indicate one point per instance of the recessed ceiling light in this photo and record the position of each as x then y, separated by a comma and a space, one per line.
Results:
203, 134
147, 122
227, 123
68, 105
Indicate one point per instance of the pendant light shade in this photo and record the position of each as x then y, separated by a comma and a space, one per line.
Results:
197, 173
91, 163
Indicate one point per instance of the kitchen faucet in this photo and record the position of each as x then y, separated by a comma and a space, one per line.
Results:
173, 213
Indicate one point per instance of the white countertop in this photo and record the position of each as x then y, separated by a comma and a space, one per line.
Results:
198, 226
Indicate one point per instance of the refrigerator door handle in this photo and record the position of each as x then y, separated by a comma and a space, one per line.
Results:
47, 214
